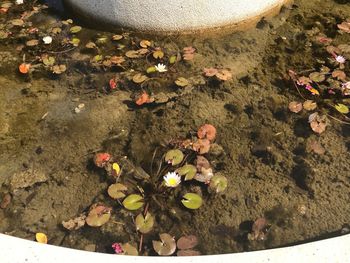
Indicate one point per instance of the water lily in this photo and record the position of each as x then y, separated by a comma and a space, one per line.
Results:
161, 68
117, 247
172, 179
19, 2
47, 40
340, 59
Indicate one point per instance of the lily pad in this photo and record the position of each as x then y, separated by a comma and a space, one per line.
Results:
58, 69
188, 170
144, 224
342, 108
129, 250
317, 77
166, 246
145, 43
98, 215
158, 54
117, 37
133, 202
182, 82
116, 191
75, 29
218, 183
151, 70
139, 78
187, 242
41, 238
32, 43
192, 201
49, 61
174, 157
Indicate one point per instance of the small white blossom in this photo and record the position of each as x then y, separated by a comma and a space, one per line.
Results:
172, 179
161, 68
47, 40
19, 2
340, 59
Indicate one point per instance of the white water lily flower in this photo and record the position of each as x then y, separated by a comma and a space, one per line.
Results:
172, 179
161, 68
19, 2
47, 40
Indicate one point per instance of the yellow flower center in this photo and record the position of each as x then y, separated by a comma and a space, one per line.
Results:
172, 182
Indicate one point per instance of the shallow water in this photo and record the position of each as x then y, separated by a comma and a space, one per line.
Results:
263, 148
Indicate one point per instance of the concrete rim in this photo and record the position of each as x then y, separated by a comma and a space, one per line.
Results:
110, 15
16, 250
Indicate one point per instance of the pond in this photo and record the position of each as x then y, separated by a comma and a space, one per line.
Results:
118, 142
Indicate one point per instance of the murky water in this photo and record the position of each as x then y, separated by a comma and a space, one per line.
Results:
278, 167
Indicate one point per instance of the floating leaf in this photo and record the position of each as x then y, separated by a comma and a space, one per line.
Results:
172, 59
145, 43
132, 54
218, 183
75, 29
318, 127
41, 238
224, 75
166, 246
139, 78
101, 40
90, 45
115, 191
295, 106
133, 202
116, 169
75, 41
188, 170
32, 43
58, 69
210, 72
98, 215
24, 68
151, 69
309, 105
17, 22
129, 250
182, 82
144, 224
117, 60
317, 77
97, 58
158, 54
342, 108
207, 131
339, 74
192, 201
187, 242
117, 37
174, 157
48, 61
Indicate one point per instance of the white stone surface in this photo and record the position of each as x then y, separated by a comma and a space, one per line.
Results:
172, 15
333, 250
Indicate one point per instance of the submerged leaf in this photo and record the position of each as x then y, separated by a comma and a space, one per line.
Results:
182, 82
317, 77
144, 224
174, 157
187, 242
218, 183
207, 131
133, 202
192, 201
166, 246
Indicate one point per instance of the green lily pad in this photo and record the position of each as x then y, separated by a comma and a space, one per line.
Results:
49, 61
151, 70
218, 183
192, 201
116, 191
98, 215
166, 246
172, 59
144, 224
75, 29
174, 157
75, 41
317, 77
342, 108
133, 202
188, 170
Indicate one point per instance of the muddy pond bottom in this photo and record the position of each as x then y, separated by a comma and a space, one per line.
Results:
138, 144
